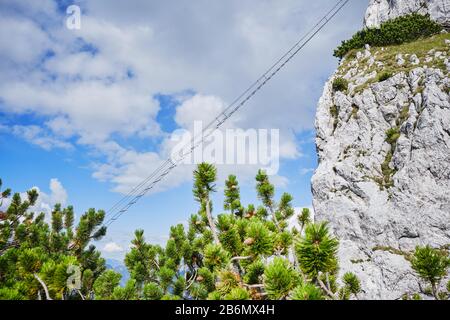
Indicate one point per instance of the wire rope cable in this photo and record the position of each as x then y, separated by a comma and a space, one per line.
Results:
120, 207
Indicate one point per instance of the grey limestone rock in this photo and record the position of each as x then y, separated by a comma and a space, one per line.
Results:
380, 11
378, 222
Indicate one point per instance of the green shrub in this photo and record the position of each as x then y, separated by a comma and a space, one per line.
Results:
431, 265
385, 167
384, 76
416, 296
393, 32
279, 278
340, 84
355, 110
316, 252
334, 111
238, 294
404, 115
352, 283
307, 291
392, 135
447, 90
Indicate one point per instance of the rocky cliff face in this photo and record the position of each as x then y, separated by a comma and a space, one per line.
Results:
381, 10
383, 180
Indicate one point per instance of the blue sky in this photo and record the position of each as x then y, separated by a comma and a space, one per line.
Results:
86, 114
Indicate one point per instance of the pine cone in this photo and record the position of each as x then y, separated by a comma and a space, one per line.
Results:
249, 214
200, 279
249, 241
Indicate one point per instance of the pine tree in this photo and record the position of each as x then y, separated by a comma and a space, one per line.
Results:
317, 250
204, 184
152, 291
3, 195
266, 191
431, 265
242, 255
193, 266
307, 291
304, 218
36, 257
352, 284
105, 284
232, 200
280, 279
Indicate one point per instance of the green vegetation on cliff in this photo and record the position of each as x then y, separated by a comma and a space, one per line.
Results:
393, 32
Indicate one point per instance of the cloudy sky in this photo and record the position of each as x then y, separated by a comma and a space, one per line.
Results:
87, 114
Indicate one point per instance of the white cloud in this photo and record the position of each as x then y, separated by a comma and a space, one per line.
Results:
198, 108
29, 41
112, 247
58, 193
133, 167
143, 48
46, 201
38, 136
304, 171
279, 181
